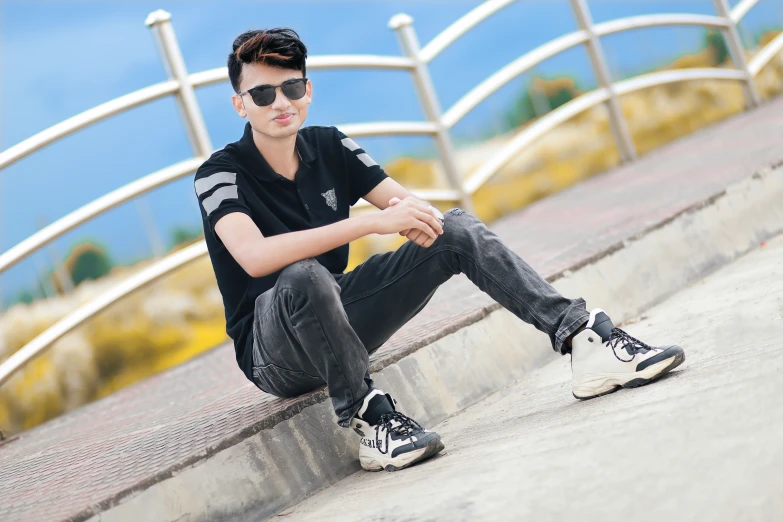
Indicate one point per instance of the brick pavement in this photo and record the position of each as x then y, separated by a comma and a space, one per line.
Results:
89, 459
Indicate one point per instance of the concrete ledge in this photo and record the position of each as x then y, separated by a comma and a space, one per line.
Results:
275, 464
152, 436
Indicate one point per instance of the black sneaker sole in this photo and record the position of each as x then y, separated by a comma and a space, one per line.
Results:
433, 447
635, 383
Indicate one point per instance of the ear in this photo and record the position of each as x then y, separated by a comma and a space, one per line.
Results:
239, 106
309, 92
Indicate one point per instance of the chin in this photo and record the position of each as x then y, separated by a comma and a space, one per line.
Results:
286, 131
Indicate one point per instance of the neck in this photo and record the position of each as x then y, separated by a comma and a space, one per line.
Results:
280, 153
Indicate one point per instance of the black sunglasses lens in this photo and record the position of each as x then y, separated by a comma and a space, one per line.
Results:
263, 96
294, 89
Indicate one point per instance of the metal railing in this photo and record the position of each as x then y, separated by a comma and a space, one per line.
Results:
415, 60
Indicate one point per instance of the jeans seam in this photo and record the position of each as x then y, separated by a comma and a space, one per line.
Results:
436, 250
287, 370
274, 300
562, 337
353, 411
471, 258
509, 292
263, 316
331, 349
399, 276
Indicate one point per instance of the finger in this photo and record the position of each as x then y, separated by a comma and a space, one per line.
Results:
432, 221
437, 213
422, 238
424, 206
415, 234
426, 240
435, 222
394, 201
424, 226
423, 230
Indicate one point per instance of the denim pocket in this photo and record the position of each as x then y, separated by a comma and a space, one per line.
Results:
284, 383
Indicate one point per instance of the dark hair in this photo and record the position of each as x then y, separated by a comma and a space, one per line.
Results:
278, 47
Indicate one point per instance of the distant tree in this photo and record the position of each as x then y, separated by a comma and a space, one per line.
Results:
714, 40
87, 261
25, 296
541, 96
185, 235
521, 112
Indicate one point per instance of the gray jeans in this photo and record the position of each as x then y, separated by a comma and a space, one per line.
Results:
314, 327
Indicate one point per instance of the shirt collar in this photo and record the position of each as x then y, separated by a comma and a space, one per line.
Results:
307, 153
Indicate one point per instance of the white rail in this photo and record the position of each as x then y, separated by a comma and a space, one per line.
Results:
181, 84
96, 208
90, 309
88, 117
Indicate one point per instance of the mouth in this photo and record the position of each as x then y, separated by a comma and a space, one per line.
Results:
284, 118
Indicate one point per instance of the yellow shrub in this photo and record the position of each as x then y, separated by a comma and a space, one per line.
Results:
182, 316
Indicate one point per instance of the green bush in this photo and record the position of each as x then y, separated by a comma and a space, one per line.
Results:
713, 39
185, 235
551, 92
87, 261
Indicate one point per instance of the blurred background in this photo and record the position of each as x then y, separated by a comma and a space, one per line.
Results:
59, 58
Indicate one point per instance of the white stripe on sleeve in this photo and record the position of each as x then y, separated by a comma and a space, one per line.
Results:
207, 183
366, 159
218, 197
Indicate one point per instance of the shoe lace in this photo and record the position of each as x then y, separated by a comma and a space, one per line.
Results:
632, 345
405, 427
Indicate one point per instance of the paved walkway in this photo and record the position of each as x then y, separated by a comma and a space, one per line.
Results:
90, 459
701, 444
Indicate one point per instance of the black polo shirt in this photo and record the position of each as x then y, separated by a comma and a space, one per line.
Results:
334, 173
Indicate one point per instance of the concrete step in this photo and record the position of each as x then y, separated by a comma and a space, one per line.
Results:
198, 442
702, 443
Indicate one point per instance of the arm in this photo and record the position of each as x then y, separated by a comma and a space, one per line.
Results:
260, 256
388, 192
385, 191
370, 182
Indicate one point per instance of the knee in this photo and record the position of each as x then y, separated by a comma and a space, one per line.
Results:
460, 226
307, 276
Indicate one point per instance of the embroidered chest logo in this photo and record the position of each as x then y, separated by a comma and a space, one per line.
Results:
331, 199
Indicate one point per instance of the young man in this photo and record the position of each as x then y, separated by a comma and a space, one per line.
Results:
275, 209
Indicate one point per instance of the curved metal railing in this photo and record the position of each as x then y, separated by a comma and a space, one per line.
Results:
416, 59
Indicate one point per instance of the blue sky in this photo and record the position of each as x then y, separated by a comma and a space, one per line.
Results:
58, 58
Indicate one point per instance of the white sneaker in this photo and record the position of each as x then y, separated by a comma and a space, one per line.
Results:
605, 359
394, 441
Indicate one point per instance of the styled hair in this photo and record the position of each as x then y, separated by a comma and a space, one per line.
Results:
278, 47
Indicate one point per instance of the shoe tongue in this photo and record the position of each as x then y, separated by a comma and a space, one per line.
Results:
602, 325
377, 407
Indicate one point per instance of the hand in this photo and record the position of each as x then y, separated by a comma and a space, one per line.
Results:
418, 236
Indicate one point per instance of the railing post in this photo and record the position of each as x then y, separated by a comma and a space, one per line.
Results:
737, 52
403, 25
594, 49
160, 23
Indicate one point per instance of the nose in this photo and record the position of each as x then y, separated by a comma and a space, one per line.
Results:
281, 102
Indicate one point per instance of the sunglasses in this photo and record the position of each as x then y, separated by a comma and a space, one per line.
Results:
264, 95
